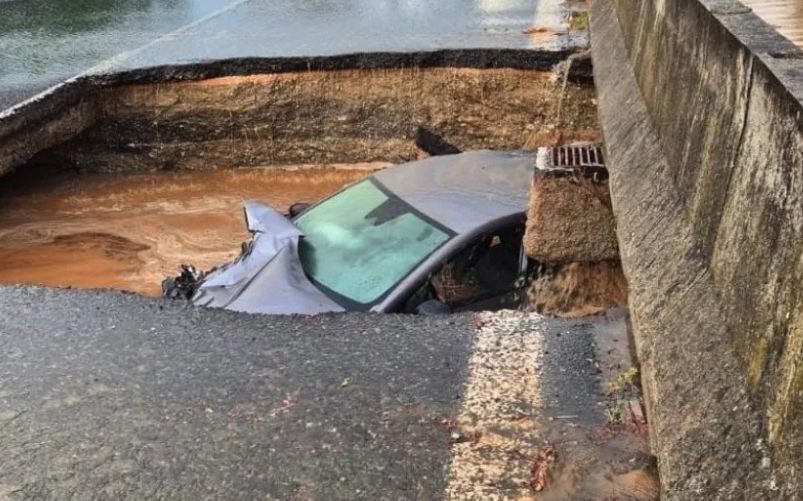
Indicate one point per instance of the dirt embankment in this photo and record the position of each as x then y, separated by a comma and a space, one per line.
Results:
579, 289
320, 117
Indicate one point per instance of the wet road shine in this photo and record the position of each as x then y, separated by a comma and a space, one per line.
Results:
44, 42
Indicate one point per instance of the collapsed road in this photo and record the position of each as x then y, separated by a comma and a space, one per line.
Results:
111, 395
700, 102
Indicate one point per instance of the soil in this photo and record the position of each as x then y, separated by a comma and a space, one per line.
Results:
334, 117
579, 289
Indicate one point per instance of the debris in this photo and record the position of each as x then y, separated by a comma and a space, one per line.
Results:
540, 469
479, 322
448, 423
184, 285
457, 437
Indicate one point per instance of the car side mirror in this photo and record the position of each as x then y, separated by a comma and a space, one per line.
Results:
297, 208
433, 307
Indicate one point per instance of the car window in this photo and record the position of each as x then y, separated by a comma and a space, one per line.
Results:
487, 267
362, 241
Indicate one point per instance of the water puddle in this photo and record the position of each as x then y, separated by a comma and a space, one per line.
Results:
129, 231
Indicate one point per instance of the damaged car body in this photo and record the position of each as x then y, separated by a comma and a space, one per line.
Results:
432, 236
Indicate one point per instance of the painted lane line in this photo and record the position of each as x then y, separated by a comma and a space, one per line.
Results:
492, 460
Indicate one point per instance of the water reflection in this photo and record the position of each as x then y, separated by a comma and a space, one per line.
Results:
45, 41
298, 28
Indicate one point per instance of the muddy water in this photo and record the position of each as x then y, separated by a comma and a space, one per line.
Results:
129, 231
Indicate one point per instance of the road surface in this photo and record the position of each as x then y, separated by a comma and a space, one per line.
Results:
123, 397
43, 42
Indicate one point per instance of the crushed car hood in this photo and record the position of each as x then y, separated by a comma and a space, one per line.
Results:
268, 277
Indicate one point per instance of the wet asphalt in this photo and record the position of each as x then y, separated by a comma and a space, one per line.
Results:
43, 42
121, 396
113, 396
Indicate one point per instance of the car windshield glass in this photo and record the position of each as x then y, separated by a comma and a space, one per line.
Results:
362, 241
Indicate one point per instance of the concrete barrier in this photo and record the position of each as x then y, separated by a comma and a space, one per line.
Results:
700, 103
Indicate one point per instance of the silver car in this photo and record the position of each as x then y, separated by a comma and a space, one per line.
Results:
431, 236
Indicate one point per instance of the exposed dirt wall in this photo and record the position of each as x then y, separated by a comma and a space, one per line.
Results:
338, 116
579, 289
20, 126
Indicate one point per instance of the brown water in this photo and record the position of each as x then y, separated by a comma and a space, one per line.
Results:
130, 231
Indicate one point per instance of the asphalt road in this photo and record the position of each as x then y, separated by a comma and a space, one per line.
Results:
131, 397
43, 42
113, 396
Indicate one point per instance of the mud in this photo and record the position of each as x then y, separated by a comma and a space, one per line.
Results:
579, 289
569, 219
129, 231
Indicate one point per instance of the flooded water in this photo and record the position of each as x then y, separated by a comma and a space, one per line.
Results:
130, 231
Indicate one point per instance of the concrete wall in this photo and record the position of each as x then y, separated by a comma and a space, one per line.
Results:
701, 110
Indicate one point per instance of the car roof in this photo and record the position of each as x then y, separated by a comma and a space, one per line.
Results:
464, 191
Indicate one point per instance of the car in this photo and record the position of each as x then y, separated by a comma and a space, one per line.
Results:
432, 236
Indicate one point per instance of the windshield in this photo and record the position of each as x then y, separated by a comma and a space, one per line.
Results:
362, 241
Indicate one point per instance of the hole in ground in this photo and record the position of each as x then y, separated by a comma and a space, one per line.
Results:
159, 175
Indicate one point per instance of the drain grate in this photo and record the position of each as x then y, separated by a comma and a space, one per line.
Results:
584, 159
577, 156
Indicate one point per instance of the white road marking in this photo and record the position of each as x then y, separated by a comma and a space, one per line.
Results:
498, 436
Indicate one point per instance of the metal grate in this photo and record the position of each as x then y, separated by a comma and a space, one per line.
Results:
585, 159
570, 157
